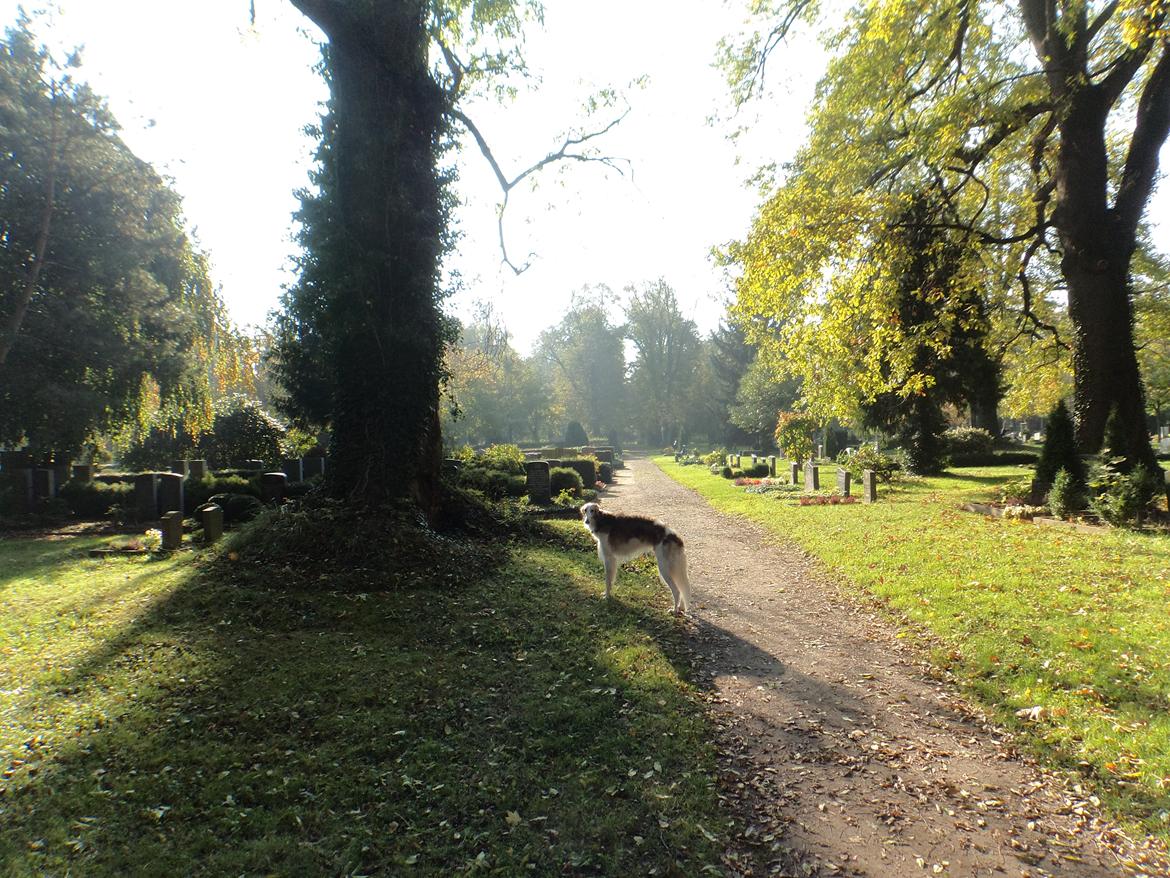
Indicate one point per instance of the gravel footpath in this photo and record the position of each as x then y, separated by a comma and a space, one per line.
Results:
838, 751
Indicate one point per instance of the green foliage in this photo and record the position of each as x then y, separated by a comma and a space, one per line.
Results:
716, 457
885, 466
726, 472
196, 492
493, 482
586, 467
1060, 448
1066, 495
507, 458
761, 395
968, 440
1125, 498
794, 435
243, 430
575, 435
563, 478
237, 508
96, 499
109, 320
1018, 490
605, 472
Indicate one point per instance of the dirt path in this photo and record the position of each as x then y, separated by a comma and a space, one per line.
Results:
840, 752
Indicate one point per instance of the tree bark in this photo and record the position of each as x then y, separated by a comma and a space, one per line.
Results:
384, 316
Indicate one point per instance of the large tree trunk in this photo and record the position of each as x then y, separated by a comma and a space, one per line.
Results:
1097, 249
984, 406
384, 316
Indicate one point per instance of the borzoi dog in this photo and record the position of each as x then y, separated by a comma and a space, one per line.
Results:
622, 537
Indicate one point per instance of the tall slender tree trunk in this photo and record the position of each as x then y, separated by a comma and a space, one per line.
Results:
384, 318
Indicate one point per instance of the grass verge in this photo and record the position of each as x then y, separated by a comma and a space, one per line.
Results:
1024, 617
157, 717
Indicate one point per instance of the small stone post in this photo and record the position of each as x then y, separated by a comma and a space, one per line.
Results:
272, 487
812, 477
197, 469
772, 465
794, 472
820, 451
146, 496
180, 467
170, 492
172, 529
869, 486
843, 480
294, 469
537, 482
212, 517
43, 484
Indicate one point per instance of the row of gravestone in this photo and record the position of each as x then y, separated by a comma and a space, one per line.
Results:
538, 482
812, 476
603, 453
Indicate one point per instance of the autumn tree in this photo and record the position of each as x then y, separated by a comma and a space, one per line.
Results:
1050, 160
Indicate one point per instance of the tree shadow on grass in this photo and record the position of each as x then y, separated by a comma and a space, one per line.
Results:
238, 728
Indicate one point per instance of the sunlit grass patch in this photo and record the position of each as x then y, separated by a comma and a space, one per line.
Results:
187, 725
1072, 624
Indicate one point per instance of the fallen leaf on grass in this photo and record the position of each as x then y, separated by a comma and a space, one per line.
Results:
512, 818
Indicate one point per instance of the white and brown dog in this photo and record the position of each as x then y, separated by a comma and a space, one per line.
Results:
622, 537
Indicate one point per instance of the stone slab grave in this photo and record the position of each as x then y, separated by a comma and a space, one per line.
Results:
180, 467
313, 466
812, 477
170, 492
212, 519
772, 466
172, 530
537, 482
794, 472
272, 487
197, 469
146, 496
293, 468
869, 485
843, 480
44, 484
61, 473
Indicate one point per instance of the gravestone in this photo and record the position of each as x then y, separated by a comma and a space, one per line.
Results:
604, 455
272, 487
83, 472
172, 529
43, 484
754, 461
197, 469
772, 465
869, 485
812, 477
212, 518
293, 468
146, 496
553, 463
843, 480
820, 452
731, 461
537, 482
22, 482
180, 467
313, 466
251, 464
61, 472
170, 492
794, 472
738, 458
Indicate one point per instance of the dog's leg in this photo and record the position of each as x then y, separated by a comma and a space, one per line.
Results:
678, 572
611, 569
662, 554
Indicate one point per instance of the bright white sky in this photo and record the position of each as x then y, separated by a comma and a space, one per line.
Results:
219, 106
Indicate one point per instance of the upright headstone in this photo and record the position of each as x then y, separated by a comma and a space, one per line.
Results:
61, 473
146, 496
253, 464
869, 485
293, 468
83, 472
170, 492
196, 469
22, 478
313, 466
843, 480
212, 517
604, 455
812, 477
172, 529
731, 461
738, 459
180, 467
272, 487
44, 483
820, 451
772, 465
755, 461
794, 472
537, 482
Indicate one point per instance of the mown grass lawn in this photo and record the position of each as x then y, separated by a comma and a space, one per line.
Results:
1024, 616
157, 720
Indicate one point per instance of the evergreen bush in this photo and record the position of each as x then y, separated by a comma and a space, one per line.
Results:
563, 478
968, 440
96, 499
726, 472
1066, 495
575, 435
1060, 449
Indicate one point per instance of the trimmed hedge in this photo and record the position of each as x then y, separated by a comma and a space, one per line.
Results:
494, 483
563, 478
196, 492
995, 458
96, 499
605, 472
237, 507
585, 467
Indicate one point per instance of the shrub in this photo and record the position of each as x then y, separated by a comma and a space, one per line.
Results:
493, 483
96, 499
716, 457
1016, 489
725, 472
237, 507
196, 492
605, 472
506, 458
794, 435
993, 458
586, 467
563, 478
884, 465
1124, 498
1060, 449
244, 431
968, 440
759, 471
575, 435
1065, 496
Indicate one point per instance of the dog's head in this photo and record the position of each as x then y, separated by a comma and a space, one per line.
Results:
589, 513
